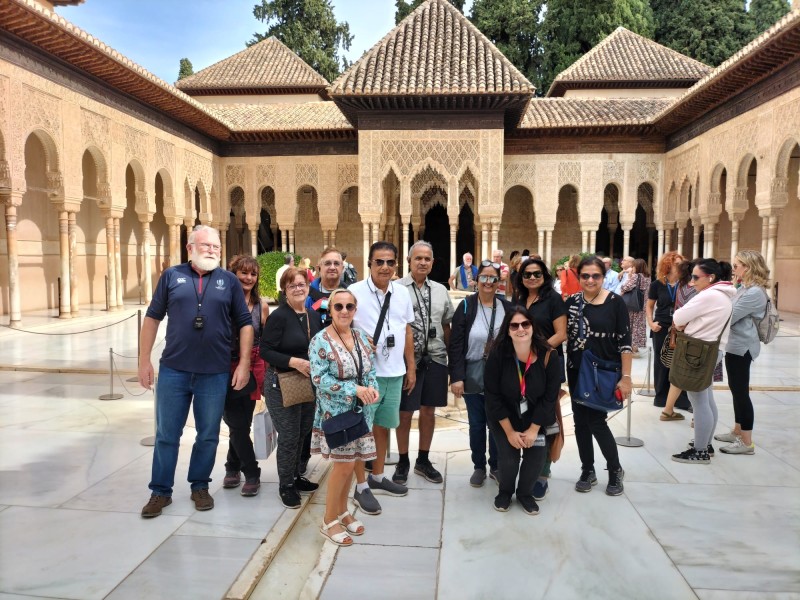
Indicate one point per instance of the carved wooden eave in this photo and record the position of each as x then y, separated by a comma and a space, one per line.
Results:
560, 88
258, 91
255, 137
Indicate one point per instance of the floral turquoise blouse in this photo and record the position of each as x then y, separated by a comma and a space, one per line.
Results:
334, 371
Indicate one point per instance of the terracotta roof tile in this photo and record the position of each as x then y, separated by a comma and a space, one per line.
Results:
309, 116
625, 56
267, 64
558, 113
435, 50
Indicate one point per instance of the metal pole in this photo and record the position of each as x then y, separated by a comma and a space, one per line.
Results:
111, 395
150, 440
627, 440
648, 390
135, 378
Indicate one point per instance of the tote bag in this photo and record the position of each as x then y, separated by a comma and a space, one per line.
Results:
265, 437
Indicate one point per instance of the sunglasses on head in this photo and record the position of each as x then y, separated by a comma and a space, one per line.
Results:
524, 324
488, 263
488, 279
379, 262
588, 276
339, 307
532, 275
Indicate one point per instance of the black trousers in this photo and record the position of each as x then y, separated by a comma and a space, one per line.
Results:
591, 423
661, 374
293, 424
238, 416
509, 465
738, 369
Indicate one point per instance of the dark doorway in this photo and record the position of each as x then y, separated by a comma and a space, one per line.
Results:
603, 238
437, 232
265, 239
465, 238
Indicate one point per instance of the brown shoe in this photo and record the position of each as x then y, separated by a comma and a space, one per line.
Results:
202, 499
232, 479
251, 486
153, 508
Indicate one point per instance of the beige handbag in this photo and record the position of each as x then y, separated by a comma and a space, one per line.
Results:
295, 388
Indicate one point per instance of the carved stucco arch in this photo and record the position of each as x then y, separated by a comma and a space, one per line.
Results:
744, 169
783, 156
434, 166
168, 186
100, 164
52, 157
468, 165
716, 174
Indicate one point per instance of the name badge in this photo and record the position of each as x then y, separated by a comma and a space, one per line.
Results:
523, 407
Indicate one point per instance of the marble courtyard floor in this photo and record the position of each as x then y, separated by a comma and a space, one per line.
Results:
73, 478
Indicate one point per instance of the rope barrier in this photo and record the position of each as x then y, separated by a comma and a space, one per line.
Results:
70, 332
116, 372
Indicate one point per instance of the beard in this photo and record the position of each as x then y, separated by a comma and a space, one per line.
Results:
204, 264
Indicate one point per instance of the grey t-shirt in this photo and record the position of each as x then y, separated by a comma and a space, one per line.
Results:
479, 332
435, 296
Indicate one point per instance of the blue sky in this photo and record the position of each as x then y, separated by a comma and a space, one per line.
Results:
156, 34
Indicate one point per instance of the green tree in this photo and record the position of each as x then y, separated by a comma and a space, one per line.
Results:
308, 27
707, 30
764, 13
571, 28
406, 8
513, 26
185, 69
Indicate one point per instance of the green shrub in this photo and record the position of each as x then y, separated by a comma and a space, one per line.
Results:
269, 263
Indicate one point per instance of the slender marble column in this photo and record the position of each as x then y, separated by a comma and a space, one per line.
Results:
771, 245
593, 241
64, 311
73, 252
453, 234
626, 241
147, 259
111, 265
13, 266
118, 263
764, 235
484, 241
549, 242
540, 241
661, 241
405, 247
696, 241
680, 241
734, 238
584, 240
291, 241
366, 242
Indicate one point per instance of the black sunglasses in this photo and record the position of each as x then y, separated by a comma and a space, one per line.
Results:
389, 262
532, 275
524, 324
339, 307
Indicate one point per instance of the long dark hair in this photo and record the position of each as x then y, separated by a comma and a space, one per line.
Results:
721, 270
503, 342
244, 262
521, 292
685, 272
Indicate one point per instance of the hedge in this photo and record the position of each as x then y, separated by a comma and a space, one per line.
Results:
269, 263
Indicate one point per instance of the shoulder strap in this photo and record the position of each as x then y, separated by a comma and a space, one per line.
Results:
547, 357
382, 317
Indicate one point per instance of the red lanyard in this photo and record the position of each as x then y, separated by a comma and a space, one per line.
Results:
522, 384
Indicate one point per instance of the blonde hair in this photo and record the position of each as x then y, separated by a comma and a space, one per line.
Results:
338, 291
757, 272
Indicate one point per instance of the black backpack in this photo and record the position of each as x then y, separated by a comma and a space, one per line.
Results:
349, 276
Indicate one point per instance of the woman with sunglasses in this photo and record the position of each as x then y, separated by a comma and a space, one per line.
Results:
521, 392
535, 292
606, 332
343, 372
706, 316
475, 324
284, 345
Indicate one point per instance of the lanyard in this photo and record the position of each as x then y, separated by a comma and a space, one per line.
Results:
672, 289
202, 291
522, 383
427, 304
380, 304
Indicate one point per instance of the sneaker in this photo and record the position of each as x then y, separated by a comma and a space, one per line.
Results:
726, 437
587, 480
502, 501
739, 447
289, 496
540, 489
154, 506
478, 477
494, 474
692, 457
401, 473
386, 486
615, 487
232, 479
202, 499
710, 448
368, 465
251, 486
528, 504
428, 472
304, 486
367, 502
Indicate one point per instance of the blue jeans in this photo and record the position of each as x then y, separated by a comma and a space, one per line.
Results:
476, 413
176, 390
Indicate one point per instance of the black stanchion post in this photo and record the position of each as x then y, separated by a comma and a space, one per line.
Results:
111, 395
135, 378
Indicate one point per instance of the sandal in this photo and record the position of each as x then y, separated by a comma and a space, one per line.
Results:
675, 416
340, 539
354, 527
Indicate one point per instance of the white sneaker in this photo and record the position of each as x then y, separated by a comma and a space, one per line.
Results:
739, 447
726, 437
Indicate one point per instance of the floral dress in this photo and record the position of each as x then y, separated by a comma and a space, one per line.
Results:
334, 372
638, 318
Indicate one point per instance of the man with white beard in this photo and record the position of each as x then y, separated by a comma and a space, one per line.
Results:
204, 304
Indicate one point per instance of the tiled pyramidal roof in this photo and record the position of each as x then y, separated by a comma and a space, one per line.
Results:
435, 50
305, 116
266, 66
568, 113
628, 57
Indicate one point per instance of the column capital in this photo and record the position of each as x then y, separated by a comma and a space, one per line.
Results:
770, 212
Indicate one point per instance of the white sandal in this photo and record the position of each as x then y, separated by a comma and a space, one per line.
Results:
354, 528
340, 539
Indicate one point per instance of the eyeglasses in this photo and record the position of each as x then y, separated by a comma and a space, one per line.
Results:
588, 276
205, 246
488, 263
339, 307
295, 286
524, 324
488, 279
379, 262
532, 274
331, 263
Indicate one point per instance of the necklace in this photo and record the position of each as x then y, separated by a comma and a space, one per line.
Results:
585, 299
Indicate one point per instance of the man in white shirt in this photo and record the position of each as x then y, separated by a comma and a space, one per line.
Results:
288, 261
497, 257
395, 366
611, 281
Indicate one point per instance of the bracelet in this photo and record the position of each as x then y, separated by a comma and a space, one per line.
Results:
628, 376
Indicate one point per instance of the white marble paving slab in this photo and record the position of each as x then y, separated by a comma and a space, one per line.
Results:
188, 567
579, 546
743, 538
385, 572
412, 520
18, 597
736, 595
53, 552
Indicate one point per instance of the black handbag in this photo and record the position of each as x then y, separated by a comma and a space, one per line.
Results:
345, 427
634, 299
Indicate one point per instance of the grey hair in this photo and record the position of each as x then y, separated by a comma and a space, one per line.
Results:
199, 228
466, 254
419, 244
500, 252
